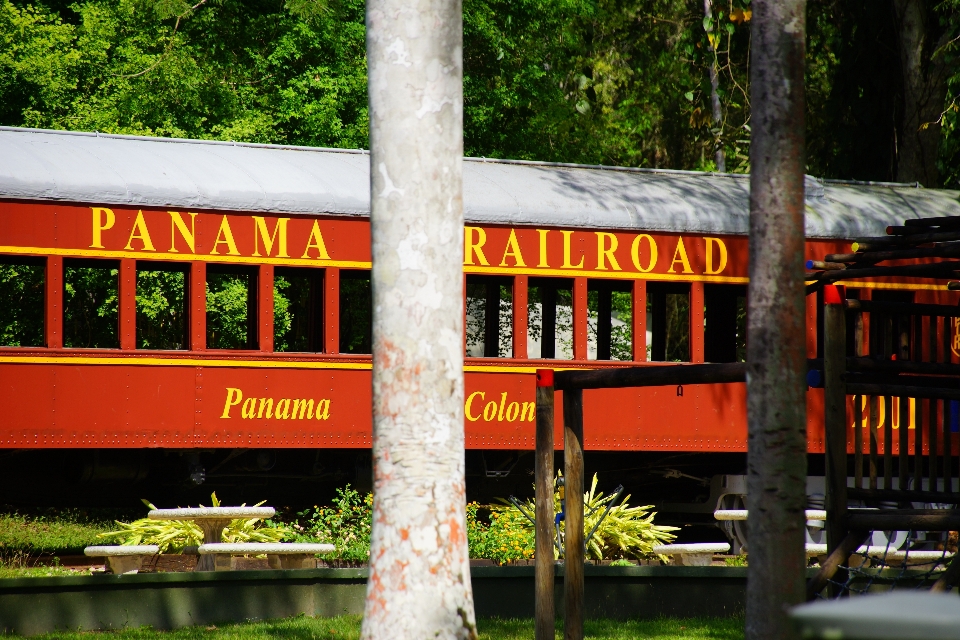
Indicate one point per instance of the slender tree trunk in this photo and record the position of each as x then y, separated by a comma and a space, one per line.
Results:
924, 91
716, 114
776, 399
419, 584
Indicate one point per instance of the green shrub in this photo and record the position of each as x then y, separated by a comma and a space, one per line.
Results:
177, 534
505, 536
346, 524
625, 532
56, 532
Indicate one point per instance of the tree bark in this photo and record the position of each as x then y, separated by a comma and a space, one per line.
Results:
776, 364
924, 91
716, 114
419, 585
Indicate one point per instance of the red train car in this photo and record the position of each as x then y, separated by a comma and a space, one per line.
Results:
210, 302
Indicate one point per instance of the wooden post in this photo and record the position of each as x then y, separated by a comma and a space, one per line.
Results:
639, 320
573, 550
543, 483
579, 318
835, 415
331, 310
198, 306
696, 322
776, 354
128, 304
53, 303
265, 307
520, 284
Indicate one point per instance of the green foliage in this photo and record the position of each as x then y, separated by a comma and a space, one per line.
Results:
229, 311
90, 307
177, 534
348, 628
53, 532
161, 309
283, 339
626, 532
356, 312
595, 81
501, 535
21, 304
346, 524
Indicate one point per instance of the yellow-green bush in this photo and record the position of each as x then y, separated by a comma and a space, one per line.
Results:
177, 534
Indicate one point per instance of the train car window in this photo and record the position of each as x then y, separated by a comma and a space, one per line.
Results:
724, 323
668, 320
489, 330
90, 294
356, 312
21, 302
885, 328
609, 315
231, 307
298, 310
550, 318
162, 305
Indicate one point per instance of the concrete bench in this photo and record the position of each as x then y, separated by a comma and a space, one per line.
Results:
123, 558
280, 555
891, 556
692, 555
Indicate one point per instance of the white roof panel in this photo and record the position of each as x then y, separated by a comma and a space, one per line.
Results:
195, 174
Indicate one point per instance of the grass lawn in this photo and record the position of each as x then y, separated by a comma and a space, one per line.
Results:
348, 628
52, 531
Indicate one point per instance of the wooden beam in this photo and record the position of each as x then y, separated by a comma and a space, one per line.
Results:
198, 306
520, 285
835, 418
265, 307
651, 376
331, 310
573, 550
543, 486
53, 303
579, 318
639, 320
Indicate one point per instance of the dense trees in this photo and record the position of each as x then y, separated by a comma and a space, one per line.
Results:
597, 81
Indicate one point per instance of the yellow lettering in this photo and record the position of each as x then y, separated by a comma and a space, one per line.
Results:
635, 253
140, 232
471, 248
513, 411
260, 233
234, 396
103, 219
490, 411
249, 408
543, 247
721, 253
304, 406
225, 236
466, 407
895, 413
268, 403
528, 406
604, 254
282, 412
566, 252
177, 224
680, 255
503, 403
323, 409
316, 242
513, 250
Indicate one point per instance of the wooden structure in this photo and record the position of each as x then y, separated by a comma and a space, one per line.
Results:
892, 386
572, 385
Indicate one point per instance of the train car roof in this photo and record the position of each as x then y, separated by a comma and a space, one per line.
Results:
196, 174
